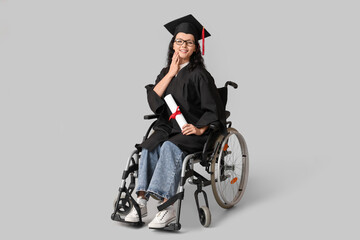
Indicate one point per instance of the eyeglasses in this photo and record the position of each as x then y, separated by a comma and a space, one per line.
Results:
180, 42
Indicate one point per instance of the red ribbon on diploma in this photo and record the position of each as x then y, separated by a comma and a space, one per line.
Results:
177, 112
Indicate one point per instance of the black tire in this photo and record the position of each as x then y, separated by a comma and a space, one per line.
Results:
124, 207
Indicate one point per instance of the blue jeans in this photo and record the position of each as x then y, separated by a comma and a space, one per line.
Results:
160, 170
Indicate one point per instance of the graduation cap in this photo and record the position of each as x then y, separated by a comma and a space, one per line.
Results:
189, 25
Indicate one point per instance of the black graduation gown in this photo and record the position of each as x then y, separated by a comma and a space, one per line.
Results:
196, 94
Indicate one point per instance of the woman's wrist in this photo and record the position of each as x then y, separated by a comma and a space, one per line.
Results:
170, 75
203, 129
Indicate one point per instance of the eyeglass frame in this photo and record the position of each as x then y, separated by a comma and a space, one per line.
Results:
184, 41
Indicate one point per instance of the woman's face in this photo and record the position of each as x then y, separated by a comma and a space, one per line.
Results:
185, 51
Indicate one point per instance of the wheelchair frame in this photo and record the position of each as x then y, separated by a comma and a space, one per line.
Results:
210, 156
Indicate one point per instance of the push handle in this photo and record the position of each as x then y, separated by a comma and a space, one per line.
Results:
234, 85
151, 116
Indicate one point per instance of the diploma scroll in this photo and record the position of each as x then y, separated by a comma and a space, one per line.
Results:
174, 108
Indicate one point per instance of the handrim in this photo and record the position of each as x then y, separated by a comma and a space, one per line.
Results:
218, 188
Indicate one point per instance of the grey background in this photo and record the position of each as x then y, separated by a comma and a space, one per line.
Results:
72, 99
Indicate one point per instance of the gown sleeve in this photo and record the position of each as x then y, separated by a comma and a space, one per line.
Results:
210, 102
156, 103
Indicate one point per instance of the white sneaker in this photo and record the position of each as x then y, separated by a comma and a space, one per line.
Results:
163, 218
133, 215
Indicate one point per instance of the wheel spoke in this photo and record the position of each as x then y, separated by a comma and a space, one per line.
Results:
229, 169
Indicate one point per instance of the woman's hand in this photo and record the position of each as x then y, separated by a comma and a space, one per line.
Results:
189, 129
174, 66
164, 83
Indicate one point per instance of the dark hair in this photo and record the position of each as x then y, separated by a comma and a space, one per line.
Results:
196, 59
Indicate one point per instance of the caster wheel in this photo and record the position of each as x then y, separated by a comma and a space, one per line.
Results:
124, 206
205, 216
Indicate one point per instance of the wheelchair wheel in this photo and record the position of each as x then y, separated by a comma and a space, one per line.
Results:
229, 169
205, 216
124, 205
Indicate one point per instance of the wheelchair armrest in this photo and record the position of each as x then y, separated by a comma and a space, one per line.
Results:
214, 126
151, 116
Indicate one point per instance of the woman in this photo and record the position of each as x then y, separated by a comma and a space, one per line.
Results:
194, 91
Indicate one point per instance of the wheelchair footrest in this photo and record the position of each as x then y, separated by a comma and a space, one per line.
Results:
117, 217
170, 227
173, 227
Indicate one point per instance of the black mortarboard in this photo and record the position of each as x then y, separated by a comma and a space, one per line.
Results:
189, 25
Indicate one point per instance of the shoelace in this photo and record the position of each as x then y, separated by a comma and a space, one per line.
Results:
164, 213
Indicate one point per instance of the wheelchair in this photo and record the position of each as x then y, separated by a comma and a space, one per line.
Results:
225, 158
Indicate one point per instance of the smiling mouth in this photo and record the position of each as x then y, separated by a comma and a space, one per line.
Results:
184, 51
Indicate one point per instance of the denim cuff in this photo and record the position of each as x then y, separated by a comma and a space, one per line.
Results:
160, 196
